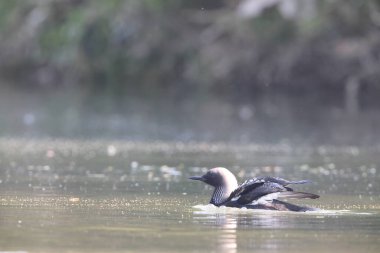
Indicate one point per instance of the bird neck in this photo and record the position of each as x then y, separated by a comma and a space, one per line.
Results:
220, 194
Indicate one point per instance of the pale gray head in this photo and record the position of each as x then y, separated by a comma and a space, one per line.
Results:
223, 180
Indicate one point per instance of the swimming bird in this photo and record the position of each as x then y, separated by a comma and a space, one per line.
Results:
254, 193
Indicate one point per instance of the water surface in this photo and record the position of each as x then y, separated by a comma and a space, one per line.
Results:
103, 196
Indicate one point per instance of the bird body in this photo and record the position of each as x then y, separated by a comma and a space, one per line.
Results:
255, 193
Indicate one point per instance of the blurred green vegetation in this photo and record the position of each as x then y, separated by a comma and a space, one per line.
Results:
156, 48
107, 54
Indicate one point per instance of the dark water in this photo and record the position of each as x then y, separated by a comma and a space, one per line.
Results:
103, 196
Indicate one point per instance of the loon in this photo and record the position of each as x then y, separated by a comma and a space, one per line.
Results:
255, 193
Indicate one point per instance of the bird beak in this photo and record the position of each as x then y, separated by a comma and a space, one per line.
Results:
200, 178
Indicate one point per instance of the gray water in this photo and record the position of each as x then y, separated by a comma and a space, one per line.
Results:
110, 196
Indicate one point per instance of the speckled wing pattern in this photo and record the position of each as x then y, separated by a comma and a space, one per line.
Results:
255, 188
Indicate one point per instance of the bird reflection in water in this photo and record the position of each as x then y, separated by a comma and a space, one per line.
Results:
226, 240
230, 222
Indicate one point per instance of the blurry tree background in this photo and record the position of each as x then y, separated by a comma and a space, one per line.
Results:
221, 70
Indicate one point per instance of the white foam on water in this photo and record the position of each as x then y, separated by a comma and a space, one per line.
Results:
211, 209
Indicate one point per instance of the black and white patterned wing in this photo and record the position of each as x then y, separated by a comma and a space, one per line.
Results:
255, 188
247, 186
281, 181
262, 190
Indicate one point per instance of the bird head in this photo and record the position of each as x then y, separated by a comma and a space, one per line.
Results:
218, 177
224, 182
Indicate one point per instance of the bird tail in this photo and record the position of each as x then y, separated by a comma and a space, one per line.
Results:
281, 206
299, 182
297, 195
284, 206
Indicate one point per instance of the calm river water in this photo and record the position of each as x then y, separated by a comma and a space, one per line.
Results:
110, 196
